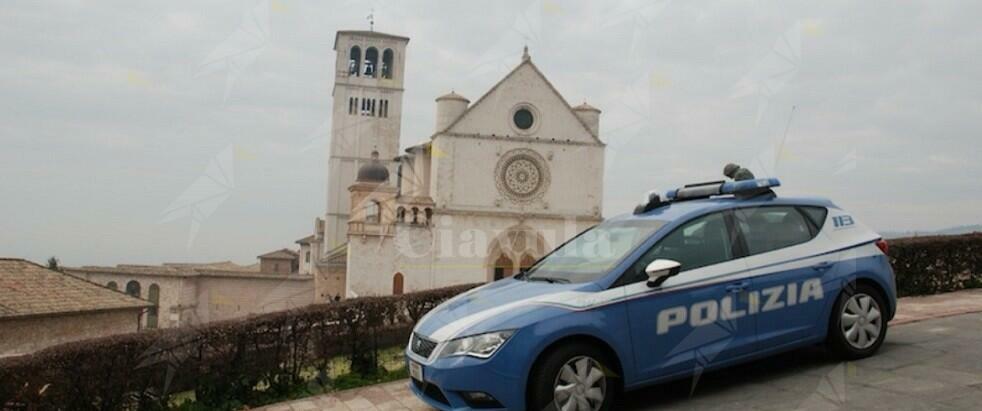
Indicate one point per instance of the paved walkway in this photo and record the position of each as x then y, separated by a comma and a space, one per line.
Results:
934, 364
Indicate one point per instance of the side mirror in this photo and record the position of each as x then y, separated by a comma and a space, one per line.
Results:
660, 270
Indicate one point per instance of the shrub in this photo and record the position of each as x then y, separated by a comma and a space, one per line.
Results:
249, 360
937, 264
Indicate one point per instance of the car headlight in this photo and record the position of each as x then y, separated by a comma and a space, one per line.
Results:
480, 346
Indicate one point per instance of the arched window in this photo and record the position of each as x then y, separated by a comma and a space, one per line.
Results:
387, 63
429, 215
373, 212
112, 285
371, 61
354, 61
153, 295
397, 284
133, 288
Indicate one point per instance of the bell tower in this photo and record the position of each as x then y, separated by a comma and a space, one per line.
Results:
366, 116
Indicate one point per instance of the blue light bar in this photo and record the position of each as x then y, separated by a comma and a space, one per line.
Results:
737, 187
706, 190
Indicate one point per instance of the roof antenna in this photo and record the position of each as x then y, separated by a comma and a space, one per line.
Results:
371, 20
780, 147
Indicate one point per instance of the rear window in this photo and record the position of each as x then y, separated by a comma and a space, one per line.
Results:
771, 228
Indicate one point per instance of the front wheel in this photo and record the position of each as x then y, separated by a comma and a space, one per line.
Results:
574, 377
858, 326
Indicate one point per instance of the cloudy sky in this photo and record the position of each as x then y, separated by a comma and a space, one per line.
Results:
137, 133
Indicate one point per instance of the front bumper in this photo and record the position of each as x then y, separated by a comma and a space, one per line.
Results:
446, 380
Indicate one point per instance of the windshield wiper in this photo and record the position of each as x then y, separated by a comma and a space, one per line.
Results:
550, 280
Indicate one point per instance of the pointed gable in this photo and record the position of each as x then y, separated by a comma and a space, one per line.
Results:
524, 87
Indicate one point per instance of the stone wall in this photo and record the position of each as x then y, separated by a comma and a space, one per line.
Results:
196, 299
222, 298
21, 336
177, 293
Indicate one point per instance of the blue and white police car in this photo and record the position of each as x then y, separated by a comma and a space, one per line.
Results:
710, 275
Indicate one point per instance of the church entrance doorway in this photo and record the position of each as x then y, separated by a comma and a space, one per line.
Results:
512, 251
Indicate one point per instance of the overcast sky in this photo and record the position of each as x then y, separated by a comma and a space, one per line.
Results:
182, 131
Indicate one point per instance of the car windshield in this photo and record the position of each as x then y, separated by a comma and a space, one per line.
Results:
594, 252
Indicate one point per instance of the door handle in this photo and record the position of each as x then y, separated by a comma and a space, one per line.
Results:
737, 287
825, 265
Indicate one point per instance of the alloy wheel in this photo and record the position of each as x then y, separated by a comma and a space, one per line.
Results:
861, 321
580, 386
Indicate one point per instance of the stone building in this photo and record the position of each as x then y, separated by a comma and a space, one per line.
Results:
41, 307
186, 294
281, 261
499, 183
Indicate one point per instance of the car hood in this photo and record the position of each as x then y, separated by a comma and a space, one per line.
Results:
491, 301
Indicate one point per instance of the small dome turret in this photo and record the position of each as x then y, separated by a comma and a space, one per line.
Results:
373, 171
590, 116
449, 107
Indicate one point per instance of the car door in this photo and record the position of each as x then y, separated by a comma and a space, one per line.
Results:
696, 318
789, 263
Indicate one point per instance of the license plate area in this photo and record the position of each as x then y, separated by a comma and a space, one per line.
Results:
416, 371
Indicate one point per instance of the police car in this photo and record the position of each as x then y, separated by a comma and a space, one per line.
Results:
710, 275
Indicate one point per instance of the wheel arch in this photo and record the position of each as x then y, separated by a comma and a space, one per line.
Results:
590, 339
871, 281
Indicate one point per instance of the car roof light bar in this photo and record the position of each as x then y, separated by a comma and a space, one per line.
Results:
740, 189
745, 188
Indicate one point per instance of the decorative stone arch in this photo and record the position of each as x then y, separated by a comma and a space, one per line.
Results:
112, 285
511, 250
526, 262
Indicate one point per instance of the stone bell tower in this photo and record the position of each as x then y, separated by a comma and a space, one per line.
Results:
366, 116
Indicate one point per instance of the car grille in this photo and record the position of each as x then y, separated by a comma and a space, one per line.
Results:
421, 346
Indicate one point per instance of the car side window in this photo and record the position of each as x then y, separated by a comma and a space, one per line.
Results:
698, 243
771, 228
816, 215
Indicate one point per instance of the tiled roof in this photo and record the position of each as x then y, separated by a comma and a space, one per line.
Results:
218, 265
282, 253
307, 240
28, 289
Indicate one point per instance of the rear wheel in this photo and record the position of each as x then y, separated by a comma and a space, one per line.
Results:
858, 325
573, 377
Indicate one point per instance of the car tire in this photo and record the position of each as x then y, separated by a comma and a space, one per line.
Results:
552, 375
859, 316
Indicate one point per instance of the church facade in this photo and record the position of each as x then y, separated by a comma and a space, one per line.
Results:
499, 183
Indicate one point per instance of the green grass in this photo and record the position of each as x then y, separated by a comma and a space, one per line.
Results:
339, 375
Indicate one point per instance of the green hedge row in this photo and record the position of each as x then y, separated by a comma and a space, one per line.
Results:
217, 361
937, 264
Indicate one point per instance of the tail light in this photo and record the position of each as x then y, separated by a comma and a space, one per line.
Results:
883, 246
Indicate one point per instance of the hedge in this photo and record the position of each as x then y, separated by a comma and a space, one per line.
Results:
228, 360
217, 361
937, 264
